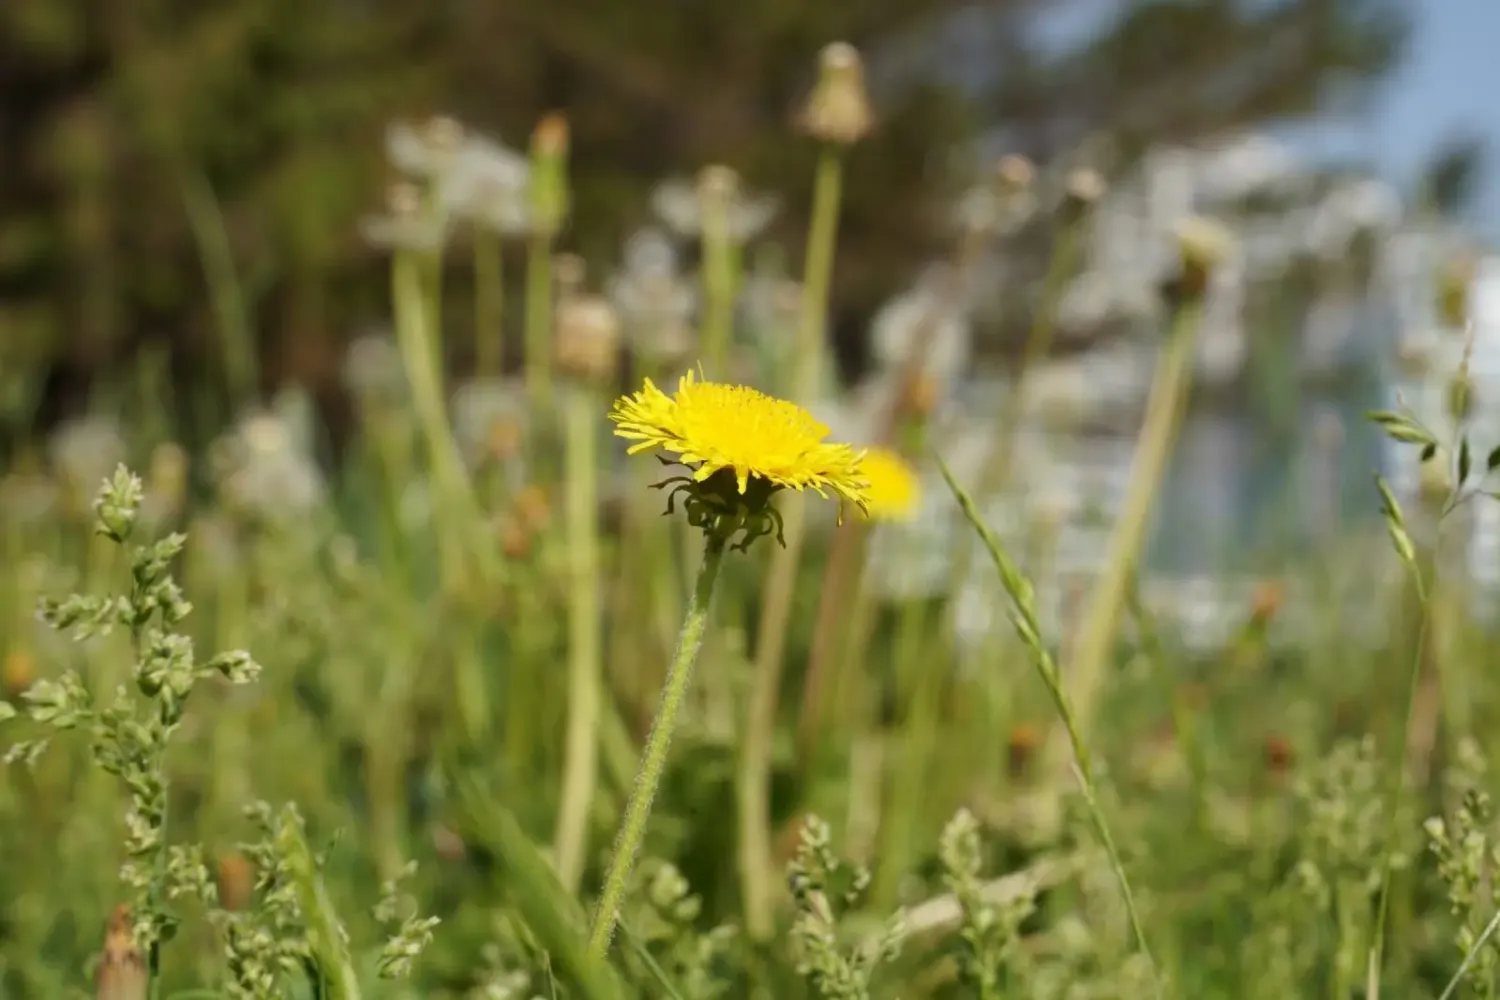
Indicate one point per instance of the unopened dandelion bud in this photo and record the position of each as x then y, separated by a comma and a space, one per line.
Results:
548, 196
1204, 246
1084, 187
1015, 173
588, 338
838, 110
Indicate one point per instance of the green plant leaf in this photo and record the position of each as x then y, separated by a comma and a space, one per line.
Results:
554, 916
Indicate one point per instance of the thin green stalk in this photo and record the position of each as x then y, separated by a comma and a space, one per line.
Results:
1471, 957
1091, 652
995, 477
489, 304
581, 763
756, 859
432, 280
1028, 628
920, 681
241, 367
329, 946
718, 291
822, 239
456, 509
653, 761
539, 320
842, 589
1376, 958
996, 474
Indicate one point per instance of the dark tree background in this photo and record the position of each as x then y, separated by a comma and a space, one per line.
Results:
128, 127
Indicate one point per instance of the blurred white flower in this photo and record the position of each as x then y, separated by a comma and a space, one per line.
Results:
265, 469
994, 208
1098, 298
407, 224
1351, 208
681, 205
372, 370
922, 319
85, 451
486, 183
424, 151
655, 302
491, 419
1240, 166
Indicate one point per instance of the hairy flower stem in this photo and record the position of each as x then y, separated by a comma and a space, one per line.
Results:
489, 304
653, 761
1091, 651
581, 761
756, 863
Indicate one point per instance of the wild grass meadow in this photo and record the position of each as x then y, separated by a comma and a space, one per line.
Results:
478, 705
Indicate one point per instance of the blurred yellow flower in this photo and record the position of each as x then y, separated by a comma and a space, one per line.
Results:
765, 444
894, 492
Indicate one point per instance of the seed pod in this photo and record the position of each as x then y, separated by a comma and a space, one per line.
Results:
838, 109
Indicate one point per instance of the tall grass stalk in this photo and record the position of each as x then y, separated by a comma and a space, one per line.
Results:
231, 314
1028, 629
1090, 654
585, 694
1422, 573
842, 579
757, 867
920, 680
489, 303
658, 741
414, 339
330, 946
720, 279
996, 475
539, 320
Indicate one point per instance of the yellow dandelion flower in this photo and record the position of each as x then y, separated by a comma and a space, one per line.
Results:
894, 492
741, 445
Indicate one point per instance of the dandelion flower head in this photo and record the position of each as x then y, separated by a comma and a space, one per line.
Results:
894, 491
764, 444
